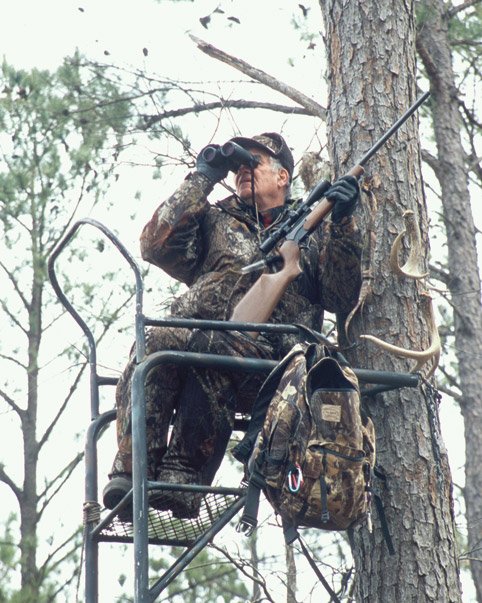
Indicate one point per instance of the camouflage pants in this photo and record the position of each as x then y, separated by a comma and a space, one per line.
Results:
204, 400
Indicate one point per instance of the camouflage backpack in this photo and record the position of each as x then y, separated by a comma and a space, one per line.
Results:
309, 446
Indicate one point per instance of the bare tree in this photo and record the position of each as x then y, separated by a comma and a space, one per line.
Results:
452, 166
56, 142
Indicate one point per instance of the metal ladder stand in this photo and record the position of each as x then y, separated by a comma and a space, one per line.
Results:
150, 526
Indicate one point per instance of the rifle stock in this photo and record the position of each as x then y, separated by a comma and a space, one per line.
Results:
262, 298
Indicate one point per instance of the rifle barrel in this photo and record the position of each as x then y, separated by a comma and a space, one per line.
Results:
393, 129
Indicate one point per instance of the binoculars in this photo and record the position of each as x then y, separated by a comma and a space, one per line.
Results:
230, 154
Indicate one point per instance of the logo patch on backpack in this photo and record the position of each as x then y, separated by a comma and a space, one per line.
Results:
329, 412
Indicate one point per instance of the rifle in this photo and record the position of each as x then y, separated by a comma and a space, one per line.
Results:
259, 302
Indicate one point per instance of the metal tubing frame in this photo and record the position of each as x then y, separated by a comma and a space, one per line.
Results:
91, 546
140, 484
189, 554
139, 445
139, 442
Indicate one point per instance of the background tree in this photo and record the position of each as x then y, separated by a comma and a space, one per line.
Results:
448, 34
57, 147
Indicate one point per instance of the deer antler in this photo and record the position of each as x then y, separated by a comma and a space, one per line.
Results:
411, 268
421, 357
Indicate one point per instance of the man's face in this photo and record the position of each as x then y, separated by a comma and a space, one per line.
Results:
269, 185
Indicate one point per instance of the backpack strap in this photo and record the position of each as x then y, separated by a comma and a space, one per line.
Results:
381, 512
242, 451
249, 519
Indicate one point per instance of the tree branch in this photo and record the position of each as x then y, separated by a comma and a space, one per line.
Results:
310, 105
14, 360
45, 568
469, 114
12, 317
52, 424
14, 282
6, 479
62, 477
440, 274
457, 9
20, 412
450, 392
228, 104
431, 160
241, 565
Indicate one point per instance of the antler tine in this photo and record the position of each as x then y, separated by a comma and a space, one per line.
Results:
411, 267
422, 357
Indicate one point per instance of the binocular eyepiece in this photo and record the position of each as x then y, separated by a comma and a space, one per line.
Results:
230, 154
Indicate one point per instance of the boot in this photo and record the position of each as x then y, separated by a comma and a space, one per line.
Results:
184, 505
115, 490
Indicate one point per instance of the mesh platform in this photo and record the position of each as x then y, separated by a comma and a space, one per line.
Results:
164, 528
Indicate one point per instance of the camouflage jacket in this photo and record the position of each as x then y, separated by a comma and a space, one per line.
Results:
204, 246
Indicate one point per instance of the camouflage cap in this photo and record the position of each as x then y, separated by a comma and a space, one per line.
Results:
273, 144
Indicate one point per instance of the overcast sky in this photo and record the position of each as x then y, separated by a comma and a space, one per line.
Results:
39, 34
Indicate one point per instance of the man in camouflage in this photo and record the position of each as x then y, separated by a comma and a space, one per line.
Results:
205, 246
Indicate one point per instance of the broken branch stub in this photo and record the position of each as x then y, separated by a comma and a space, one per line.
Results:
309, 104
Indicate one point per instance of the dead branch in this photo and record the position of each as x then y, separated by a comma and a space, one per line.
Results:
6, 479
222, 104
310, 105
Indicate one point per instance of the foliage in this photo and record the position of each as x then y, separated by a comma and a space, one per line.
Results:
62, 133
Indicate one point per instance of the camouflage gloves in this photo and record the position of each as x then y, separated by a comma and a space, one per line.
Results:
212, 164
344, 193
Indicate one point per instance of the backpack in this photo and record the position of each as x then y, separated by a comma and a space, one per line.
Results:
309, 446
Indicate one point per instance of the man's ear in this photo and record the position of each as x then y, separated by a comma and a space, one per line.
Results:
283, 177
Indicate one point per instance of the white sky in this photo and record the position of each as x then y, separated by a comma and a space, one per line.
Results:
36, 33
40, 33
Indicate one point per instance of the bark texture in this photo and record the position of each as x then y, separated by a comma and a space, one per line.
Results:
372, 81
464, 281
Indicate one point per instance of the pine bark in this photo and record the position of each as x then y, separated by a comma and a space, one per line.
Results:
372, 81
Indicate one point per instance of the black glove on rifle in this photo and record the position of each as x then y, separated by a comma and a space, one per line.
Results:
344, 193
216, 169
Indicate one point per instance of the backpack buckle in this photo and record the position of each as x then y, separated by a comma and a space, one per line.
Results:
246, 525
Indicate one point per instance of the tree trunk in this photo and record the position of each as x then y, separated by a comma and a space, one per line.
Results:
372, 71
463, 275
290, 574
254, 560
29, 497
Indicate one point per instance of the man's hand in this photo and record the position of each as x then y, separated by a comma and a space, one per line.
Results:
216, 169
344, 193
